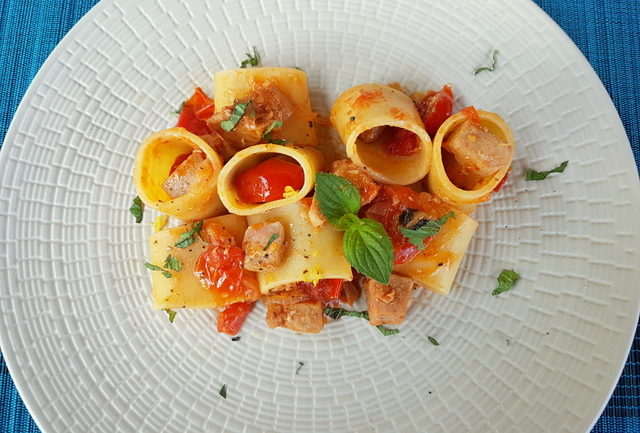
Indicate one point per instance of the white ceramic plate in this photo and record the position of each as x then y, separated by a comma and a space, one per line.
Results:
89, 355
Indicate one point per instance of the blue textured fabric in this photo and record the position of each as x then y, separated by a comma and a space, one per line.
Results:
607, 32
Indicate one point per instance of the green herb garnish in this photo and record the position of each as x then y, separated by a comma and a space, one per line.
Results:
433, 341
172, 263
251, 60
153, 267
366, 244
539, 175
189, 237
424, 228
506, 280
494, 64
336, 313
270, 241
236, 115
179, 110
137, 209
267, 133
300, 365
171, 313
223, 391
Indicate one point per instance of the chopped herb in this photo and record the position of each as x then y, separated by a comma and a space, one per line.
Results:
179, 110
336, 313
251, 60
137, 209
153, 267
433, 341
387, 331
270, 241
235, 338
423, 229
236, 115
494, 64
300, 365
506, 280
223, 391
188, 237
406, 216
539, 175
171, 313
172, 263
267, 133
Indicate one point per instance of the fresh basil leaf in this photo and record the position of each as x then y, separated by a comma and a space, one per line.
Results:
171, 313
506, 280
236, 115
252, 60
275, 124
540, 175
179, 110
172, 263
367, 247
494, 64
153, 267
423, 229
336, 196
189, 237
387, 331
270, 241
300, 365
433, 341
223, 391
336, 313
137, 209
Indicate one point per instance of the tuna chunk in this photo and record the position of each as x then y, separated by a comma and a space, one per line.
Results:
387, 305
358, 176
263, 246
195, 169
477, 150
301, 317
267, 104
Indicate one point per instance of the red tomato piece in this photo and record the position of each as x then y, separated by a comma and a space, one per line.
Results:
436, 108
232, 317
267, 180
471, 114
501, 183
386, 209
326, 290
179, 160
401, 142
195, 112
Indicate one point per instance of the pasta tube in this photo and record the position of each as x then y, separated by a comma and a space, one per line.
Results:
382, 131
309, 159
188, 192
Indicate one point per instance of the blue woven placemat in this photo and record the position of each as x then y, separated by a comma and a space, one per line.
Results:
607, 32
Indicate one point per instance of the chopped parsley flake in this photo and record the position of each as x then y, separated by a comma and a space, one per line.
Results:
494, 64
506, 280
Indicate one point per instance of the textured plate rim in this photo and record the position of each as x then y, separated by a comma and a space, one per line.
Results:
584, 64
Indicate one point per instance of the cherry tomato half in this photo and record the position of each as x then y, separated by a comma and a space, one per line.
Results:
435, 109
326, 290
232, 317
195, 112
267, 180
401, 142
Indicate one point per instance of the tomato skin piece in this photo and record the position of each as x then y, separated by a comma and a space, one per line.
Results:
179, 160
266, 181
326, 290
195, 112
436, 108
401, 143
232, 317
471, 114
501, 183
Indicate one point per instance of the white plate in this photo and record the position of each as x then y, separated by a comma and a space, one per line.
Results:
89, 355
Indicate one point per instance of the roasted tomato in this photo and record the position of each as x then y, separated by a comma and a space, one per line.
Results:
232, 317
435, 108
471, 114
220, 268
267, 180
195, 112
326, 290
401, 142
